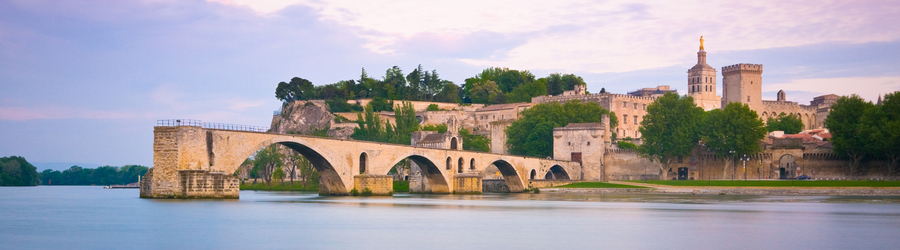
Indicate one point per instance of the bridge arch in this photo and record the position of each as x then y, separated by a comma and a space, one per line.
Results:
330, 181
513, 180
432, 173
556, 172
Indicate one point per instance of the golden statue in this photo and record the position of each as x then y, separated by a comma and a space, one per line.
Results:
701, 42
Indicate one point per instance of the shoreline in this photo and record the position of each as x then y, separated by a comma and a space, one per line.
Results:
734, 191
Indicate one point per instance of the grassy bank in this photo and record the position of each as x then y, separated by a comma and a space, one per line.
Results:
401, 186
596, 185
277, 186
773, 183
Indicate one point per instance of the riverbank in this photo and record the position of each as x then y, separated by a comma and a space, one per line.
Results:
722, 190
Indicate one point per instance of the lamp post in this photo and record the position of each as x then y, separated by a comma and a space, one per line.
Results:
744, 159
733, 167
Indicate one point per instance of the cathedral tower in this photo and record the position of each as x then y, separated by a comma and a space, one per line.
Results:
702, 82
743, 83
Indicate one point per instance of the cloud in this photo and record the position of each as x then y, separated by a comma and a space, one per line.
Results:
809, 88
55, 112
614, 36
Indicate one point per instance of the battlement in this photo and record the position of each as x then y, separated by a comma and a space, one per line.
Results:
587, 98
743, 68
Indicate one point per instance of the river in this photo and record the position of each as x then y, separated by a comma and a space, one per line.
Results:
80, 217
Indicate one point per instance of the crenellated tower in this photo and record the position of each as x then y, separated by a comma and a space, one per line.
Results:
743, 83
702, 82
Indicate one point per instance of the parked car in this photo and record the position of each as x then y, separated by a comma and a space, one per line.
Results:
803, 177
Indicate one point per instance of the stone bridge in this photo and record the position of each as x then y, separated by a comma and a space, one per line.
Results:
197, 162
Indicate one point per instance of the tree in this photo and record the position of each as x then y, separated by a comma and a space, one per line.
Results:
557, 83
532, 134
266, 161
790, 124
524, 92
278, 173
847, 133
472, 142
670, 130
449, 93
16, 171
882, 124
297, 89
484, 91
731, 132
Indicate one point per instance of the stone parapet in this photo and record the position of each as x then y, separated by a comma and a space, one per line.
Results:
742, 68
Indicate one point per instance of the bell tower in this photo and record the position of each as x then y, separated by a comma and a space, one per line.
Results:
702, 82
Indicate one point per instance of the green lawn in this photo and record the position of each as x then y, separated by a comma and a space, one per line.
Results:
401, 186
276, 186
774, 183
596, 185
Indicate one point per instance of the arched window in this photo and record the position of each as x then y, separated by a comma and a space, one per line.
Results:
448, 163
453, 143
472, 164
533, 173
362, 163
459, 168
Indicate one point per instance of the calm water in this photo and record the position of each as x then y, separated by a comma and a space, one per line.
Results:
96, 218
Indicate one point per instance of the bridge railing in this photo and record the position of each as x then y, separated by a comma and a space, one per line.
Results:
212, 125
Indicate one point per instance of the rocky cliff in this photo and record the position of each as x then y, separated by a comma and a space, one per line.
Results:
309, 117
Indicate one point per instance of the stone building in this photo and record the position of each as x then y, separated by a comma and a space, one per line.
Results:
584, 143
484, 116
629, 109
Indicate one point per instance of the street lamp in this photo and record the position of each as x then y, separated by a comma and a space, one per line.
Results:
745, 159
733, 167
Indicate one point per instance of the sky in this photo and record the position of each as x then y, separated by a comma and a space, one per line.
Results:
86, 81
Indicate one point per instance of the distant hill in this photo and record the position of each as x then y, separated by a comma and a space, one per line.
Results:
60, 166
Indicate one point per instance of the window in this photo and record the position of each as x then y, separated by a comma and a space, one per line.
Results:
588, 143
635, 120
624, 118
645, 106
624, 104
748, 98
635, 105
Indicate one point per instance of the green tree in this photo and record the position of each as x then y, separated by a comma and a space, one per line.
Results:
278, 173
524, 92
484, 92
732, 132
381, 104
670, 130
472, 142
449, 92
266, 161
847, 133
440, 128
790, 124
532, 134
16, 171
881, 124
557, 83
297, 89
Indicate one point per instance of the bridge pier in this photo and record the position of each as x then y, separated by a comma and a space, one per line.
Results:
467, 184
378, 184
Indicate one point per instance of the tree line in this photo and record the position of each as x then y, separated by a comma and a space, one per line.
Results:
491, 86
105, 175
861, 130
16, 171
